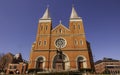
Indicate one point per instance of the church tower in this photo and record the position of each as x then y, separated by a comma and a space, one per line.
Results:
61, 48
44, 29
42, 42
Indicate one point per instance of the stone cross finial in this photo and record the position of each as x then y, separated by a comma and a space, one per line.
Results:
60, 22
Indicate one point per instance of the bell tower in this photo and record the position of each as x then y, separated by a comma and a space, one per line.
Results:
77, 30
80, 44
42, 42
76, 24
44, 29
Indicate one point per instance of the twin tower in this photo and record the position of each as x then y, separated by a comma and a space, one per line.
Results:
61, 48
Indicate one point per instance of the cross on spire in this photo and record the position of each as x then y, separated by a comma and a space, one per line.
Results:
60, 22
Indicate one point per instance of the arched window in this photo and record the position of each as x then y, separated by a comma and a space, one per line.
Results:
81, 42
45, 43
60, 30
78, 26
39, 63
39, 43
80, 62
46, 27
75, 42
41, 27
73, 26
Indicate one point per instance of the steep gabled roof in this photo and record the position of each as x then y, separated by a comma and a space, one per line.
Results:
60, 25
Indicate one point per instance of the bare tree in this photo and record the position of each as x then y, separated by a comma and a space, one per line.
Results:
4, 61
1, 55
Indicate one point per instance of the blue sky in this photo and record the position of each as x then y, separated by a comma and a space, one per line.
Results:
19, 21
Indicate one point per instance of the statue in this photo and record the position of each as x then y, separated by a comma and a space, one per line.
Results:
59, 53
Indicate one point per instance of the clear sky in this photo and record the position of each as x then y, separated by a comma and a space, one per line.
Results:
19, 22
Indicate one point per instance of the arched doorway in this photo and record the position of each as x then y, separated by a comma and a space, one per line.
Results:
81, 63
39, 63
61, 64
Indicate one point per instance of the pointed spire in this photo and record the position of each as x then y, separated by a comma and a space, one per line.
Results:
46, 14
74, 13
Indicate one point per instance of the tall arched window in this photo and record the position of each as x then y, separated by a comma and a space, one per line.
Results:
81, 42
41, 27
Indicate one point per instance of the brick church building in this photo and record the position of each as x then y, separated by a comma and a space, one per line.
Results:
61, 48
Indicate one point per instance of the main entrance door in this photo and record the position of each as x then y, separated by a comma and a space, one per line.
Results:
58, 63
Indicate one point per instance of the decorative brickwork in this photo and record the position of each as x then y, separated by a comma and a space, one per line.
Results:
76, 53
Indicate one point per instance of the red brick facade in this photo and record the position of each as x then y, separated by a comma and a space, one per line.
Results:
13, 64
17, 68
75, 50
107, 65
